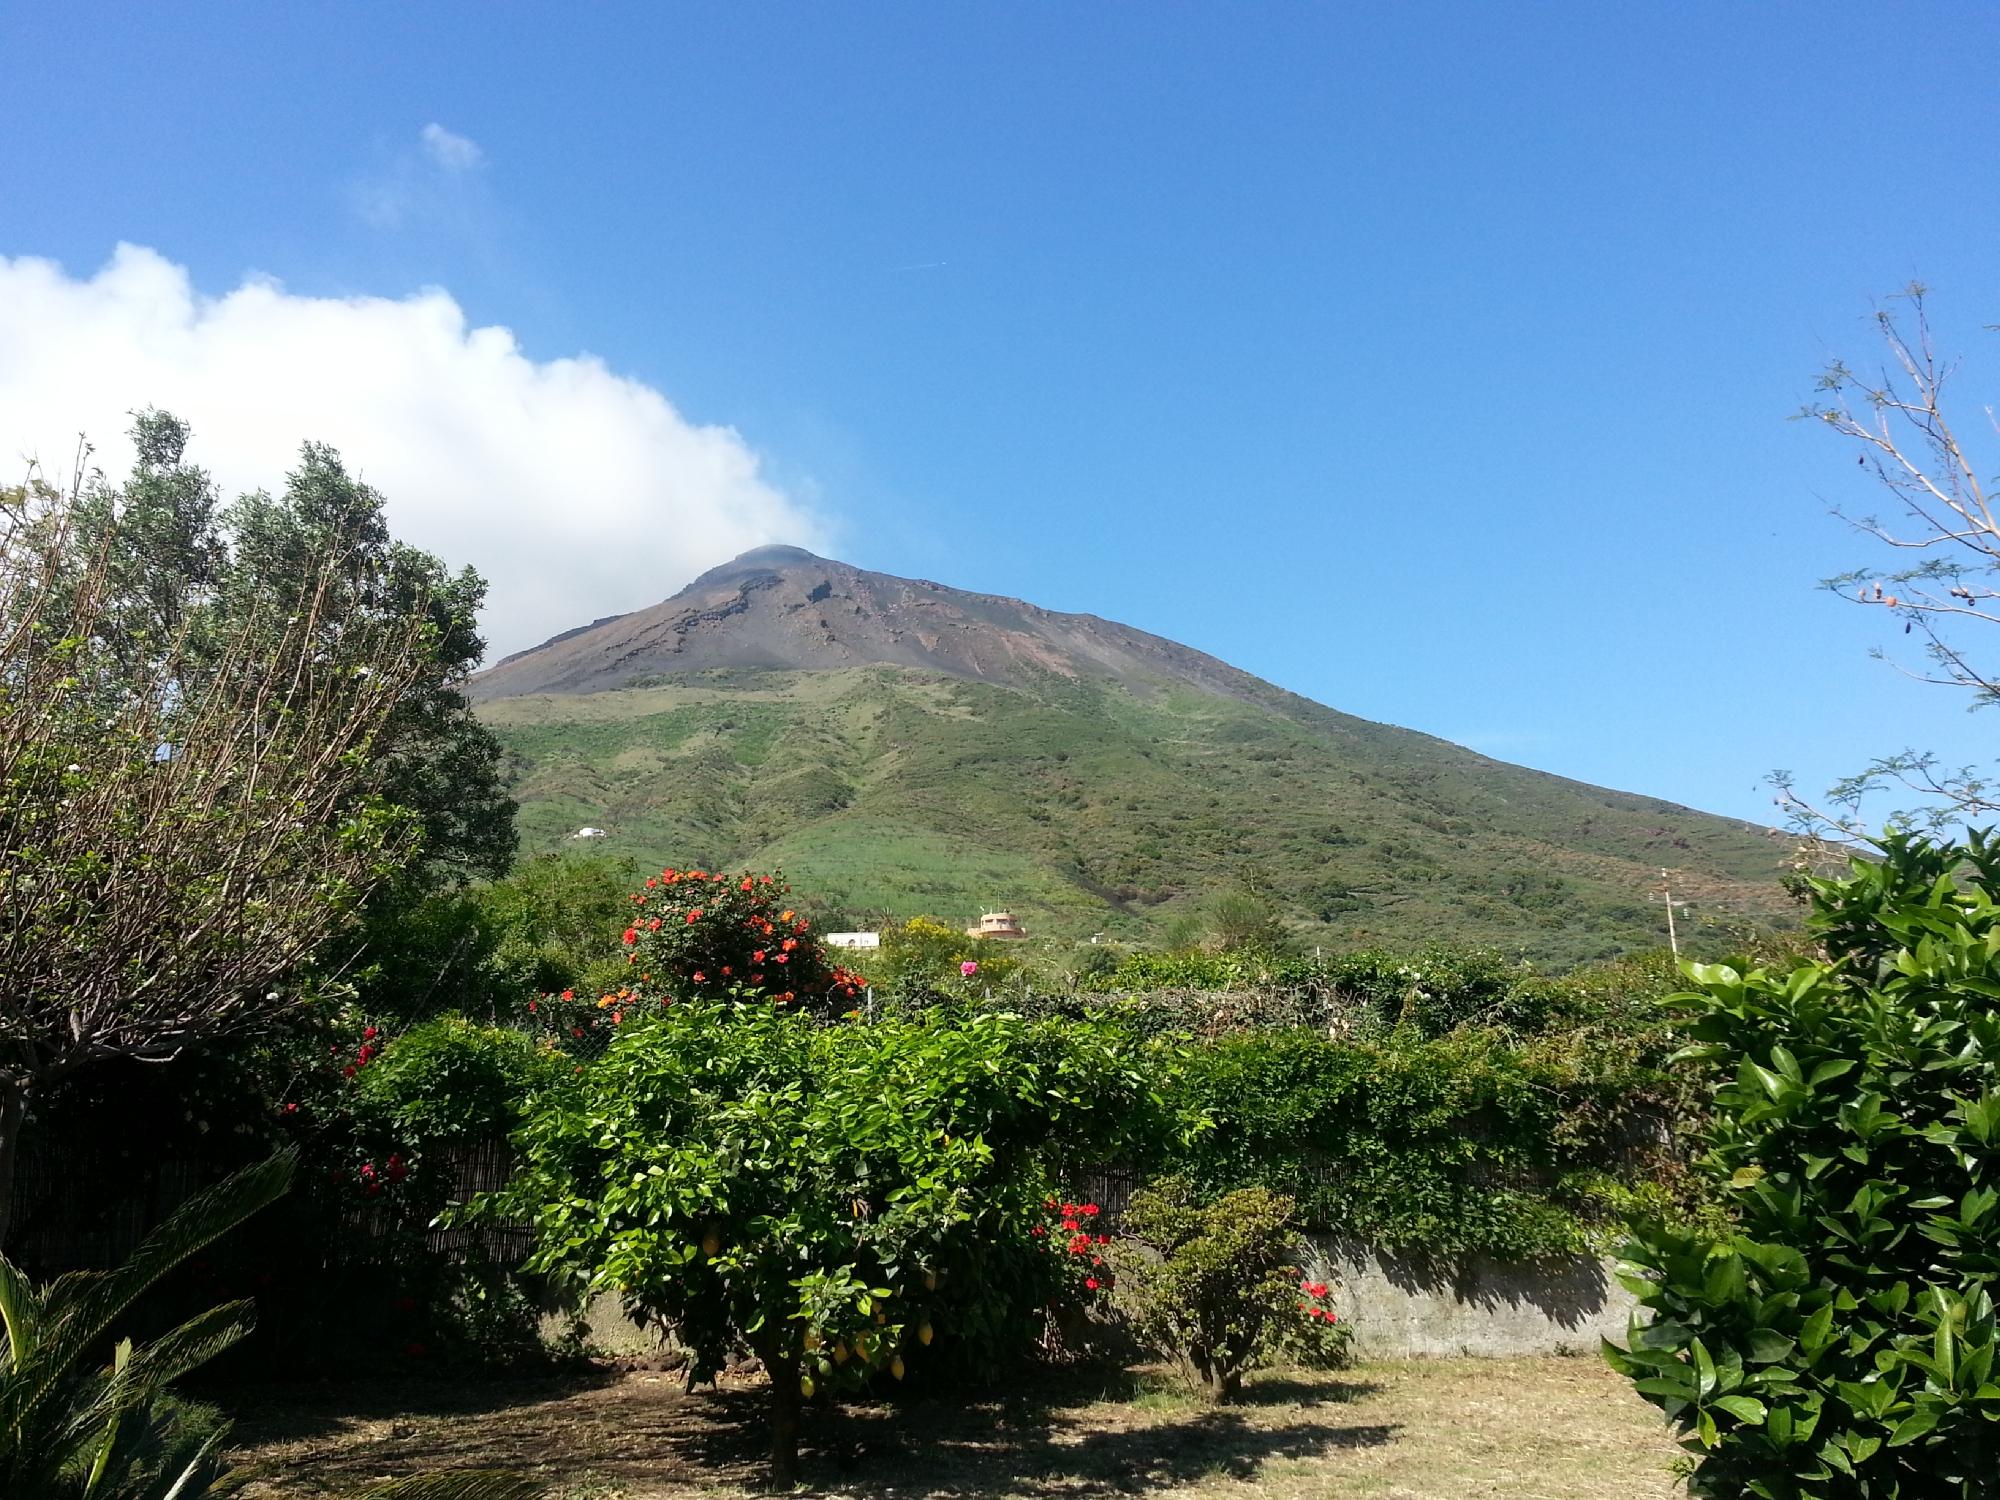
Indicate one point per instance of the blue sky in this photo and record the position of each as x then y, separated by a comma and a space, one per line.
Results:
1433, 361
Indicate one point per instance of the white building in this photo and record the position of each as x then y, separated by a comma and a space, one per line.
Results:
854, 940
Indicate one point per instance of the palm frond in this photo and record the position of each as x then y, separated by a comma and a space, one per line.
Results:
20, 1313
206, 1216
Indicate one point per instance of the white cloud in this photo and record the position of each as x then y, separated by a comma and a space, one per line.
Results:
450, 151
576, 491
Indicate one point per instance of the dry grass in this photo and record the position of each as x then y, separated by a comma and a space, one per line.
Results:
1432, 1430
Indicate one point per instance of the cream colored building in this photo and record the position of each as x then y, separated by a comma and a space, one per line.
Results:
997, 924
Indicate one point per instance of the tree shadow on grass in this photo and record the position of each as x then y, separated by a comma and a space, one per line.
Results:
1076, 1435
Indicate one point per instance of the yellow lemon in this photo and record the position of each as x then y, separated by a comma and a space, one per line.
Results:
924, 1334
806, 1386
896, 1367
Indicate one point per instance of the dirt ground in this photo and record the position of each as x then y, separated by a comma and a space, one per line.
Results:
1428, 1430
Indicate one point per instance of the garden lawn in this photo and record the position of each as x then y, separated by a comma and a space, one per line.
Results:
1420, 1430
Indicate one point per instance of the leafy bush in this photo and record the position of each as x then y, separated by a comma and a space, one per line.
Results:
924, 951
1184, 969
1839, 1338
829, 1196
450, 1081
1459, 1144
1216, 1285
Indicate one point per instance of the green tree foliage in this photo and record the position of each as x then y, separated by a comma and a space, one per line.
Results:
1216, 1286
828, 1195
179, 571
1839, 1339
551, 924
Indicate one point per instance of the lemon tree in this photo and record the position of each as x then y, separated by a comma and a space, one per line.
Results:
832, 1197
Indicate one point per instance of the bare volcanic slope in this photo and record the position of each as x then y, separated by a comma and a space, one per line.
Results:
783, 608
906, 747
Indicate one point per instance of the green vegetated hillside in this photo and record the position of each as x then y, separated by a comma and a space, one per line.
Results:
1099, 805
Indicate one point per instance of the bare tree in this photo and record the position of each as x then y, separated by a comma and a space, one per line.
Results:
179, 830
1946, 579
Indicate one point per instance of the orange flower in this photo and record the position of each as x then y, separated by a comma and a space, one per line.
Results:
784, 916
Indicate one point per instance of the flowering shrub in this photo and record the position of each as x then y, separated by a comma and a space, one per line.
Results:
694, 934
1216, 1286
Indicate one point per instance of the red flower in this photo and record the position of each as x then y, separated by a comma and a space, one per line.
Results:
1090, 1209
348, 1071
757, 957
369, 1034
693, 915
569, 994
531, 1007
291, 1109
631, 936
746, 883
699, 977
1091, 1282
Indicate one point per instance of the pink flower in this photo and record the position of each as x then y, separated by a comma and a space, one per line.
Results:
968, 968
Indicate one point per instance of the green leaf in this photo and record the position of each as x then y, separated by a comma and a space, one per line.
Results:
1745, 1409
1919, 1423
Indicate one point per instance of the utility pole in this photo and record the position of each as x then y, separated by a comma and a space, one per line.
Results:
1673, 938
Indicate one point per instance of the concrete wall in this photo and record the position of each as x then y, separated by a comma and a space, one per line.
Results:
1409, 1306
1400, 1307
